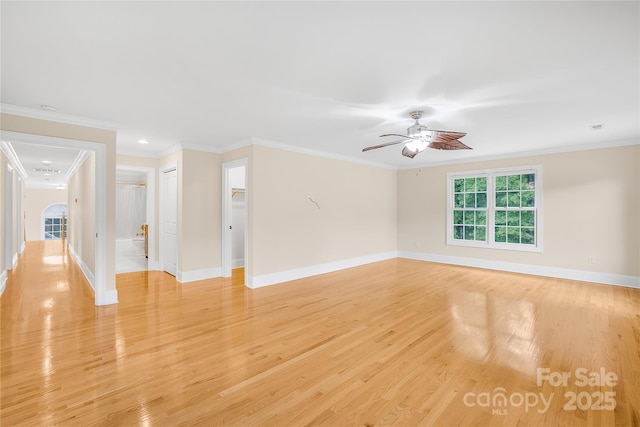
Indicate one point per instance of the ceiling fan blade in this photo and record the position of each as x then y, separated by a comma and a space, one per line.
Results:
409, 153
445, 135
396, 134
449, 145
386, 144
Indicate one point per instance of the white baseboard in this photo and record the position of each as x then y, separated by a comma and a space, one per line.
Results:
22, 246
538, 270
14, 261
3, 281
193, 275
83, 267
153, 265
110, 296
237, 263
314, 270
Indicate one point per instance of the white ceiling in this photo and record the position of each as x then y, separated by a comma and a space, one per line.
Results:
332, 76
40, 174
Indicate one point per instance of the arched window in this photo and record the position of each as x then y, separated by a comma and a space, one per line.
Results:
54, 222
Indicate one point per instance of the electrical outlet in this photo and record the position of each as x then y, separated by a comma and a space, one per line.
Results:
591, 259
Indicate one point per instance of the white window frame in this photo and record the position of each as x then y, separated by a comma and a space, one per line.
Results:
491, 175
44, 216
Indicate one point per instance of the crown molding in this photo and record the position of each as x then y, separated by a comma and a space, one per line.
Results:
8, 150
204, 148
146, 155
169, 151
240, 144
133, 153
528, 153
56, 117
287, 147
256, 141
77, 162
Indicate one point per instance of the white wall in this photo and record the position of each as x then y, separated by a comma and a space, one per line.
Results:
200, 214
82, 214
354, 219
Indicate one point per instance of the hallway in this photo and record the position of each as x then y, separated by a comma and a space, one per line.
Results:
62, 357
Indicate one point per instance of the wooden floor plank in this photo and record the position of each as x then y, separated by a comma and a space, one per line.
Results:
396, 343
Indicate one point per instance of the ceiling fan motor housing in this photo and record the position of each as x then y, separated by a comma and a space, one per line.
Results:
418, 131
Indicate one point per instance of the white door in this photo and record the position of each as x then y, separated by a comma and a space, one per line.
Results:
170, 221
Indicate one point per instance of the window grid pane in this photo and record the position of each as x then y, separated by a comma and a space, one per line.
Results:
514, 217
54, 227
504, 212
470, 203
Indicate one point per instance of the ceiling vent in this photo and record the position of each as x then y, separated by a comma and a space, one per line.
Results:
47, 170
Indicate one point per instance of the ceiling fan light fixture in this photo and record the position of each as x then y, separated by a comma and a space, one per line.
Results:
416, 146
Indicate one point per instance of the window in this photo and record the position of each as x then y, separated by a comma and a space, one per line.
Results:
54, 222
470, 208
497, 208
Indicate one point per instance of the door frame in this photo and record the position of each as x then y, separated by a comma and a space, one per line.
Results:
100, 191
9, 253
21, 241
161, 178
227, 255
151, 210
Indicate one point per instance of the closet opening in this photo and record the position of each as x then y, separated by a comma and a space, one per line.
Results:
235, 222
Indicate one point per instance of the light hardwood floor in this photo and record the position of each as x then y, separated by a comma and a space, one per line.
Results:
397, 342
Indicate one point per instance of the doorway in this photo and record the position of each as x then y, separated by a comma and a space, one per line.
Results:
135, 219
99, 278
235, 236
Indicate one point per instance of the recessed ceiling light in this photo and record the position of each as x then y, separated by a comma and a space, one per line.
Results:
143, 141
46, 162
46, 174
597, 127
48, 108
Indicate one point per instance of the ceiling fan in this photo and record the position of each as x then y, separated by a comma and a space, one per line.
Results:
419, 137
